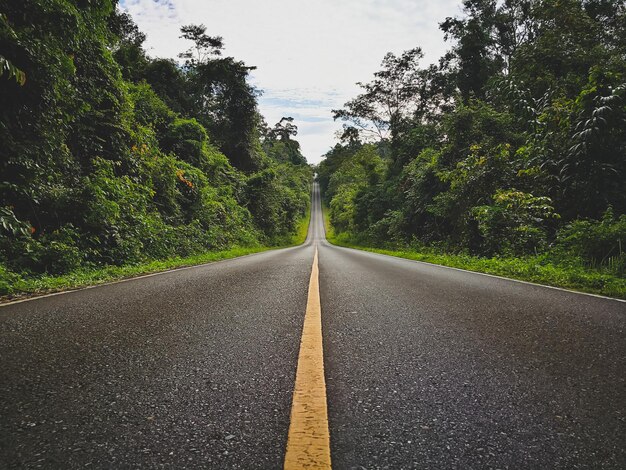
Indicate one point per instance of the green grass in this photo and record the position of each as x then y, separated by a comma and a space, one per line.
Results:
302, 229
17, 287
330, 232
537, 269
88, 277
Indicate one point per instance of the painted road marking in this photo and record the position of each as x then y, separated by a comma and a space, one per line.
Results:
308, 442
519, 281
6, 303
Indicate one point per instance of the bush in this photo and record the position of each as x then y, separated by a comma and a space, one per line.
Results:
59, 252
277, 198
186, 138
598, 243
514, 223
8, 280
149, 109
114, 205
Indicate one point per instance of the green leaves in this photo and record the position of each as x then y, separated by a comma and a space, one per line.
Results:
205, 46
7, 68
395, 93
514, 222
12, 225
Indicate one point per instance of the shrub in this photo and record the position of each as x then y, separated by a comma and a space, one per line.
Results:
8, 279
59, 251
149, 109
114, 204
186, 138
598, 243
514, 223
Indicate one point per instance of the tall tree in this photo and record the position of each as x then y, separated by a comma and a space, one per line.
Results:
396, 92
223, 100
280, 146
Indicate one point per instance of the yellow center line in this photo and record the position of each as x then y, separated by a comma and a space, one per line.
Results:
308, 442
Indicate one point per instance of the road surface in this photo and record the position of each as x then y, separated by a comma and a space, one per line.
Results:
425, 366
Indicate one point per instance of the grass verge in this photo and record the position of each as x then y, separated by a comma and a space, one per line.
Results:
19, 287
302, 229
537, 269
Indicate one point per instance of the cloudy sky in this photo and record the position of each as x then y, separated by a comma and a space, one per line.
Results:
309, 54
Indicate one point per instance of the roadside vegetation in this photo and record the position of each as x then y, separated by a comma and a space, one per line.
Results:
539, 269
508, 156
88, 276
114, 163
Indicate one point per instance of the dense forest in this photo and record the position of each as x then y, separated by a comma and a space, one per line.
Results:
111, 157
512, 145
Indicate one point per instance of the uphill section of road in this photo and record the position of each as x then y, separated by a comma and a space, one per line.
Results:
425, 367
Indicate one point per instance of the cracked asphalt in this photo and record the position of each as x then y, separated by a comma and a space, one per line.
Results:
426, 367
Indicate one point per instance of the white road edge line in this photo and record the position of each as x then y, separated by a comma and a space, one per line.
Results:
135, 278
483, 274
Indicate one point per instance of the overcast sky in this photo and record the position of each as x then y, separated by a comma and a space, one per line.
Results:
309, 54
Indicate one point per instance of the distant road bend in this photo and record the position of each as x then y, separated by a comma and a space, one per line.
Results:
422, 367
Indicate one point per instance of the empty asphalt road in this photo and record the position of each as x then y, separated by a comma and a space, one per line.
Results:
425, 366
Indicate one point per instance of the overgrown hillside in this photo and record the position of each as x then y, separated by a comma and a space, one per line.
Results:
111, 157
512, 146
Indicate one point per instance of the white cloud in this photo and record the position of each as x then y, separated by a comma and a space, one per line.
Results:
309, 54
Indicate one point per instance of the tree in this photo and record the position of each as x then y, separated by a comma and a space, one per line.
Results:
283, 130
169, 81
396, 92
222, 99
205, 46
593, 170
565, 43
279, 145
486, 39
127, 45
